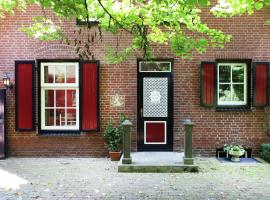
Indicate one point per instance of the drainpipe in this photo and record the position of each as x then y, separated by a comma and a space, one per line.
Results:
126, 142
188, 160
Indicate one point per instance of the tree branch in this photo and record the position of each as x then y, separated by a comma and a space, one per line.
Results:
99, 1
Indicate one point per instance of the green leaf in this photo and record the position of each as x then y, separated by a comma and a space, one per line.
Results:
203, 2
258, 5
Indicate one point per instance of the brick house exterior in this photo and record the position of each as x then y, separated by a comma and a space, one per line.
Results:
250, 41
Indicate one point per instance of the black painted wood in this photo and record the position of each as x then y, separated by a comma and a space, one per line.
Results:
141, 119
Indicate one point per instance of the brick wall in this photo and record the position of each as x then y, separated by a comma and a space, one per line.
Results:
251, 40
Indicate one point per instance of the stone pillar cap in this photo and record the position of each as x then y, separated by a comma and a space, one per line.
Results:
186, 122
127, 123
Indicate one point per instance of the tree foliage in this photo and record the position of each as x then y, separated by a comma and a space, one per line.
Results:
167, 22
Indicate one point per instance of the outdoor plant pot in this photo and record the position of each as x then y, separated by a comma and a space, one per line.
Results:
235, 151
236, 155
115, 155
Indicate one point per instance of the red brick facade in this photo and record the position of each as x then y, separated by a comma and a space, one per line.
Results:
250, 41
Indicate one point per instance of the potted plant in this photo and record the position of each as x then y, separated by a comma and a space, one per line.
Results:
113, 138
235, 150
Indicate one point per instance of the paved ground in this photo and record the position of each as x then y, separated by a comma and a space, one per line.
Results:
88, 178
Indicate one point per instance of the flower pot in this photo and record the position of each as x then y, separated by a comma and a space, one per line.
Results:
115, 155
236, 155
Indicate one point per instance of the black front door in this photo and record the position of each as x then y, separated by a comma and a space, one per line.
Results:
155, 106
2, 123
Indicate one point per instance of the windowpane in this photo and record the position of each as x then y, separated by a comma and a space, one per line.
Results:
238, 74
224, 92
60, 74
224, 74
238, 92
49, 117
60, 117
60, 98
71, 74
48, 74
49, 98
155, 66
71, 98
71, 117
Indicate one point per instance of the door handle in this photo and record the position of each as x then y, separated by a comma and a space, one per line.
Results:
141, 111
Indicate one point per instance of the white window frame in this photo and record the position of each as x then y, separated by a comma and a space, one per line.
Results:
59, 86
140, 68
232, 103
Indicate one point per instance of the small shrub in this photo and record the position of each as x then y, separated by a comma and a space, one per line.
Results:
265, 152
113, 135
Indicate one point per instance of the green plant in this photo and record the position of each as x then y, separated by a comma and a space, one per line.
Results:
113, 135
265, 152
233, 147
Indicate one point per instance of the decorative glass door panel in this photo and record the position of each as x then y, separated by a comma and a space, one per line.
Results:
155, 97
155, 104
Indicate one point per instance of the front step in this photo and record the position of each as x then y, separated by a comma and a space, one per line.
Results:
157, 162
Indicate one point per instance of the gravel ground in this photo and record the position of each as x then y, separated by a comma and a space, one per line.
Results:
97, 178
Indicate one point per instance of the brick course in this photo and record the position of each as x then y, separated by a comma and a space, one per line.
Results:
251, 40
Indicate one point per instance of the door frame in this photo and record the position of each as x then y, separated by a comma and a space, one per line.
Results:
170, 121
3, 121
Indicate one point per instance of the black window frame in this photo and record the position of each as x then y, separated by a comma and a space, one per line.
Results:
246, 107
80, 22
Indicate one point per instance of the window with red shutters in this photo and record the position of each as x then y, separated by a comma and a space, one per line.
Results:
69, 96
226, 84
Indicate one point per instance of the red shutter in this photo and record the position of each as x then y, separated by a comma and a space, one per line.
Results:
208, 84
89, 94
24, 72
260, 84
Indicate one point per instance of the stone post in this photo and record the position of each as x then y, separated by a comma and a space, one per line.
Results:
188, 160
126, 142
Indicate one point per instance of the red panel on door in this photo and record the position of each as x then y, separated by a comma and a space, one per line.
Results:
89, 96
24, 95
155, 132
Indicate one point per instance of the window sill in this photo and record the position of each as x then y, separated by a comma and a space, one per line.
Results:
233, 109
59, 133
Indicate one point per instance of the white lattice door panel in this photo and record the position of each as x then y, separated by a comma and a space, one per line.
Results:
155, 97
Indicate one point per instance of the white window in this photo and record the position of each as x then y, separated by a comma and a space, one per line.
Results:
232, 84
59, 96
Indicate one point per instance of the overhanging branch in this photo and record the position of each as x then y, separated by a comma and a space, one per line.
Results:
111, 17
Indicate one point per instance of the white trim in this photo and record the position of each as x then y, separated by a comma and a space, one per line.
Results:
155, 62
59, 86
64, 85
231, 83
165, 132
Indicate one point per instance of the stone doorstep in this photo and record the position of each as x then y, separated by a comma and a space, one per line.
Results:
156, 162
